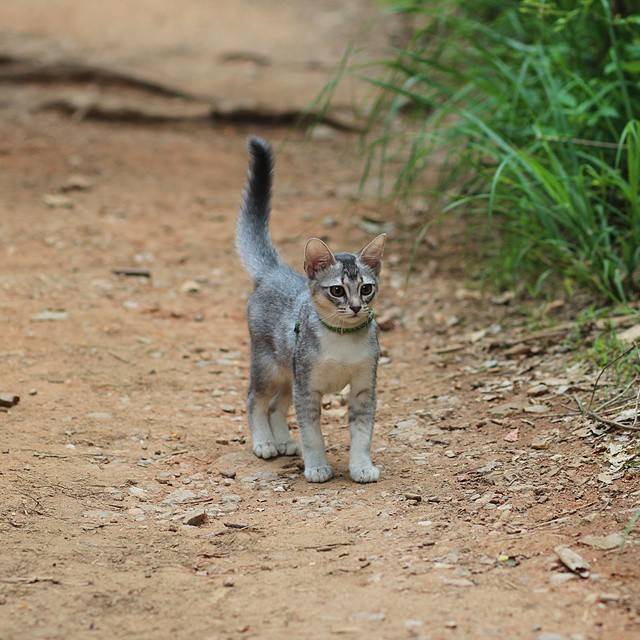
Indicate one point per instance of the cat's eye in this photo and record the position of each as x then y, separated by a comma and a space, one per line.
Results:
336, 291
366, 289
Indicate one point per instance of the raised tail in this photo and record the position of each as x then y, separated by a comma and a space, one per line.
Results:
253, 242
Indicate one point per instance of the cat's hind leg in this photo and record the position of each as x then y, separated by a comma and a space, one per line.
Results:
260, 393
278, 408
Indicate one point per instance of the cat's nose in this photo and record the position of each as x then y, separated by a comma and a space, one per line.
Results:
355, 308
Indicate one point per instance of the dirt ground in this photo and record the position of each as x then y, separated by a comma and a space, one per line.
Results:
132, 419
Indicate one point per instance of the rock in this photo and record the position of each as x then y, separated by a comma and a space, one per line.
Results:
330, 222
33, 392
557, 579
414, 497
512, 436
369, 616
630, 335
9, 400
605, 543
227, 473
57, 201
387, 320
99, 415
573, 561
136, 492
164, 477
537, 390
228, 582
178, 496
195, 518
190, 286
76, 182
49, 315
322, 132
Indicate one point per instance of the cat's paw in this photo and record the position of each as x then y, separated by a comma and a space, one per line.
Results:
265, 450
318, 474
366, 473
289, 448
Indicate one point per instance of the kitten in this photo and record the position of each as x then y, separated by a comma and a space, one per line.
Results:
309, 336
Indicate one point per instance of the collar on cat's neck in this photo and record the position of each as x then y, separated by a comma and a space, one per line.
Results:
342, 330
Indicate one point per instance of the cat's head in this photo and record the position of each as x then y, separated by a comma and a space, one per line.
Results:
343, 285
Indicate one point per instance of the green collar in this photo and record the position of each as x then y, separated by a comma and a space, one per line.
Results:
340, 330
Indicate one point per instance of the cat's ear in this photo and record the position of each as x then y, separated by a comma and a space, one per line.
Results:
317, 257
371, 255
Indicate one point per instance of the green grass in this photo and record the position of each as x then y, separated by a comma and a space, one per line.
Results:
533, 106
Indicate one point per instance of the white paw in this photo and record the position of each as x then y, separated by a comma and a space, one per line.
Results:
367, 473
265, 450
288, 448
318, 474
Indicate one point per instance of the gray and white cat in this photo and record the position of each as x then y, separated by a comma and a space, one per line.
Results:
309, 336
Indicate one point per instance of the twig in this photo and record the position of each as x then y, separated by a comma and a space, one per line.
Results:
611, 423
607, 366
31, 580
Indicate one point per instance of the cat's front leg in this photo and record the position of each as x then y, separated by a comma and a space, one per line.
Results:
362, 409
308, 405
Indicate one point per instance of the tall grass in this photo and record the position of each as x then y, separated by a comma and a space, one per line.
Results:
535, 105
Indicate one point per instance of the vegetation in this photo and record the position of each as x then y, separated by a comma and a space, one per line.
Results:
534, 106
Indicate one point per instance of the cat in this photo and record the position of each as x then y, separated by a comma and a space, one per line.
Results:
309, 335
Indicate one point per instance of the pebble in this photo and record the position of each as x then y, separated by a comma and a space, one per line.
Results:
195, 518
57, 201
9, 400
164, 477
190, 286
137, 492
49, 315
179, 495
228, 473
228, 582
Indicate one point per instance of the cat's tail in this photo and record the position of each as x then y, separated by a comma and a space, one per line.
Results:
253, 242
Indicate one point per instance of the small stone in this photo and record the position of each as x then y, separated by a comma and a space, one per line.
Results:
605, 543
178, 496
537, 390
164, 477
137, 492
9, 400
414, 497
450, 624
76, 182
557, 579
228, 582
33, 392
57, 201
49, 315
99, 415
190, 286
330, 222
227, 408
228, 473
195, 518
512, 436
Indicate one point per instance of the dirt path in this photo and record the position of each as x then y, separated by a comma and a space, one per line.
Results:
132, 415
